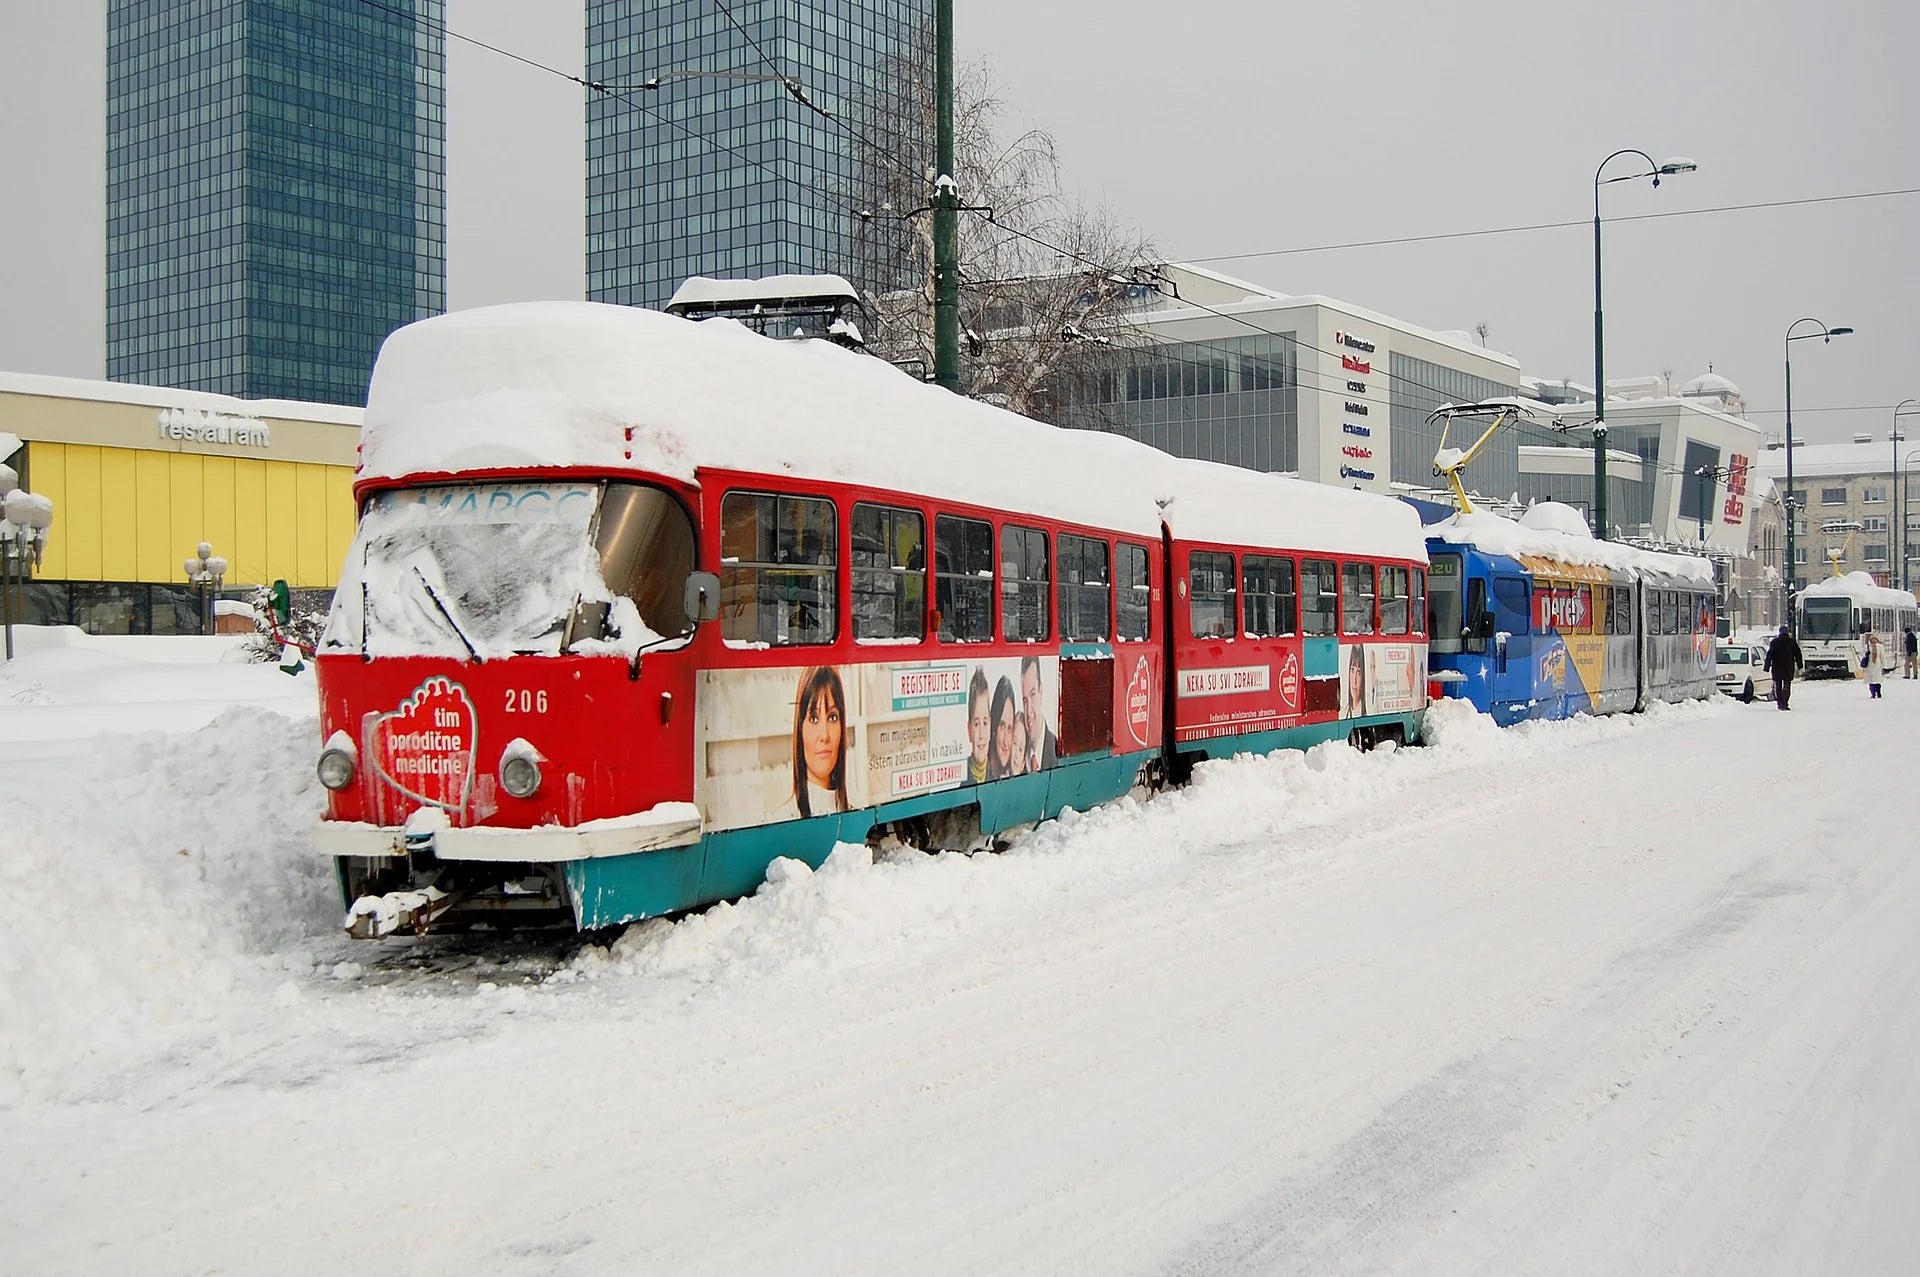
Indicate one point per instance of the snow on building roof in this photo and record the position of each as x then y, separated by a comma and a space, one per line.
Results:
1828, 460
701, 290
126, 392
546, 385
1861, 588
1711, 383
1257, 298
1495, 534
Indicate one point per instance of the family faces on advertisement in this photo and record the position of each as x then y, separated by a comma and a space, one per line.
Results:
785, 744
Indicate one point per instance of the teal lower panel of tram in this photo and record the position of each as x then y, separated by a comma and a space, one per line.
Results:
733, 863
1303, 737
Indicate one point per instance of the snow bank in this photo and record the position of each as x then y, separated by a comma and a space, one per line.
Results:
169, 884
855, 909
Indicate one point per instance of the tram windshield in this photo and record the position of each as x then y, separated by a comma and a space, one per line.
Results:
482, 571
1827, 619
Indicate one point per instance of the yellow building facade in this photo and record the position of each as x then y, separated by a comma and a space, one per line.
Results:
140, 475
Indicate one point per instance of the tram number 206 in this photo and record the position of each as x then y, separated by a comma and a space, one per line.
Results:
526, 701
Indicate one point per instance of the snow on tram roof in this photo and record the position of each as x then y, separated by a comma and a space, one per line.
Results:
1861, 588
1496, 534
584, 384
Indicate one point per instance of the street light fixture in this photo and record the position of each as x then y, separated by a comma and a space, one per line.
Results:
1656, 171
1825, 335
25, 518
1899, 496
207, 572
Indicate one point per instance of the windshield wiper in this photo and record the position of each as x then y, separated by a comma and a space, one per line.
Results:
451, 623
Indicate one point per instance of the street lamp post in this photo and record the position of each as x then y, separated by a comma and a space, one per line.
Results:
1825, 335
1656, 172
1904, 472
1899, 498
207, 572
25, 518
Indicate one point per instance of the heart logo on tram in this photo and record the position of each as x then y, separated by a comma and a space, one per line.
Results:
425, 748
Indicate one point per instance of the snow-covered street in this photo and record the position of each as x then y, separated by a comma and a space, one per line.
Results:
1619, 996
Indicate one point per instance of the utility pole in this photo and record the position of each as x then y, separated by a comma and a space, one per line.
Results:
946, 215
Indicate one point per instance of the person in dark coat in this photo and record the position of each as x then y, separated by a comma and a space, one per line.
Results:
1783, 660
1912, 652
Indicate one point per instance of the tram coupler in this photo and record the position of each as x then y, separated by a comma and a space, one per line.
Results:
377, 917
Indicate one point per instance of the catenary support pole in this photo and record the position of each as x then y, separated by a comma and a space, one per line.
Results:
946, 217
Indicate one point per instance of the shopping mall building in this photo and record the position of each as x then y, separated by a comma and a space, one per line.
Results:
141, 475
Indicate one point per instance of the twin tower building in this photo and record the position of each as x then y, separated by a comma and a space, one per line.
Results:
276, 169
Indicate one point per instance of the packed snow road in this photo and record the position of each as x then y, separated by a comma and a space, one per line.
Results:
1602, 997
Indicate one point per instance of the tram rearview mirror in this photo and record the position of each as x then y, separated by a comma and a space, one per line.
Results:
282, 602
702, 596
1483, 625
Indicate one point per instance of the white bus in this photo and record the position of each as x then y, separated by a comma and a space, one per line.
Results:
1834, 616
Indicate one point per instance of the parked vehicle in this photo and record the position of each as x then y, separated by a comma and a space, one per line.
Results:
1742, 672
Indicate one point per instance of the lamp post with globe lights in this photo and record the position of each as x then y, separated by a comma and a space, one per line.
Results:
207, 572
25, 518
1899, 580
1656, 171
1825, 334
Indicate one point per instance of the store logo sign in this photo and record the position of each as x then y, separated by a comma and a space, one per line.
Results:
1348, 340
1361, 366
196, 425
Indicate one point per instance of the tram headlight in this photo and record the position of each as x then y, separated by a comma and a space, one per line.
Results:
520, 769
338, 758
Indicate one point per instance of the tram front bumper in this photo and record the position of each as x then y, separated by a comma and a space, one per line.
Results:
659, 827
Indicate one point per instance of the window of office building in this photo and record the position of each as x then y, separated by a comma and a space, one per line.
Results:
1233, 400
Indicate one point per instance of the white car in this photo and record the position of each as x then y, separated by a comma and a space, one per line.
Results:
1741, 670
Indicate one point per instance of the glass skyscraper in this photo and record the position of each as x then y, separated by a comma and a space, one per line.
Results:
714, 173
276, 190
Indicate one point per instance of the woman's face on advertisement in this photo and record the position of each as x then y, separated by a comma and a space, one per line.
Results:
1003, 737
979, 728
1019, 737
820, 737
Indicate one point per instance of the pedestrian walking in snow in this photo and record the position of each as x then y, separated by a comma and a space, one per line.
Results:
1783, 661
1870, 658
1912, 641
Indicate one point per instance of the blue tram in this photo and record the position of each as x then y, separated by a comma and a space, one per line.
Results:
1530, 623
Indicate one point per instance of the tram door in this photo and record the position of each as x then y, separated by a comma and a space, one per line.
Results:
1513, 652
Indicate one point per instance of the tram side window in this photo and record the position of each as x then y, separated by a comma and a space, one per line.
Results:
963, 578
1586, 610
779, 569
889, 572
1622, 609
1512, 614
1023, 583
1670, 612
1266, 588
1083, 589
1419, 605
1356, 598
1393, 599
1210, 594
1319, 595
1132, 593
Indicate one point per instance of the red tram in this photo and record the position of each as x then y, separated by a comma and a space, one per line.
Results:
637, 605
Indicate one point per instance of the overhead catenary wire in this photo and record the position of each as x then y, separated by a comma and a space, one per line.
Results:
829, 203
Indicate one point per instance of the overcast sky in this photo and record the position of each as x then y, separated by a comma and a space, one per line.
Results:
1240, 127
